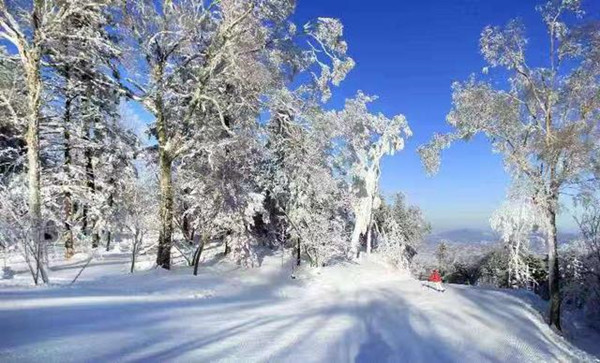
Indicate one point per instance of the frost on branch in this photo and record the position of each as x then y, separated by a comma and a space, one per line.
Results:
327, 33
430, 153
504, 47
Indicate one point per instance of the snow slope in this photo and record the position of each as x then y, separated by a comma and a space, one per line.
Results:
351, 312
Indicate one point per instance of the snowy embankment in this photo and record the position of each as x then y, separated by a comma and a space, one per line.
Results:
352, 312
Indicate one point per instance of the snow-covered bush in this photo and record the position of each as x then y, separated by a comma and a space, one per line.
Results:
477, 264
515, 221
580, 266
493, 268
13, 215
576, 287
16, 231
240, 239
399, 231
137, 212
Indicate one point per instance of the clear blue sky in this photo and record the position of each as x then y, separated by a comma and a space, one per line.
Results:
409, 53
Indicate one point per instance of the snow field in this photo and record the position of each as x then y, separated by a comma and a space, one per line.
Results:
349, 312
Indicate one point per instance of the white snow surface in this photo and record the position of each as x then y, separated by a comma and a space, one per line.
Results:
360, 312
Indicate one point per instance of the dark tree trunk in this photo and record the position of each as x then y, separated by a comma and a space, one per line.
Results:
84, 219
163, 258
68, 202
186, 225
165, 242
185, 228
136, 243
298, 253
111, 202
227, 249
198, 253
108, 240
553, 272
88, 221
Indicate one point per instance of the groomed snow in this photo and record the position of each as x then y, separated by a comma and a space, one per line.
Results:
352, 312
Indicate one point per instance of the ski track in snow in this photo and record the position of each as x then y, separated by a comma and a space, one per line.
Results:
345, 313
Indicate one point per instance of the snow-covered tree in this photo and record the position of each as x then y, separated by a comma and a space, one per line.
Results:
581, 263
369, 138
306, 193
138, 211
544, 123
246, 153
13, 111
399, 230
35, 29
83, 100
163, 37
14, 226
26, 31
249, 160
441, 254
515, 221
210, 65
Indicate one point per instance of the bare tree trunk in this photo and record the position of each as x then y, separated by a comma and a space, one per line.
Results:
163, 258
84, 218
68, 202
111, 202
355, 243
134, 249
369, 239
32, 64
553, 272
298, 252
108, 240
186, 225
198, 253
89, 222
68, 205
227, 249
187, 230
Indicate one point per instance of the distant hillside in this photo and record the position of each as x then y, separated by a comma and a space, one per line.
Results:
463, 236
474, 236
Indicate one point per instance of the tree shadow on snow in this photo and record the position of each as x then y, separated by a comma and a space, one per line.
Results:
259, 322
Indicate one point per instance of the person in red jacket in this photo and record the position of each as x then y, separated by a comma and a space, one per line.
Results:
436, 280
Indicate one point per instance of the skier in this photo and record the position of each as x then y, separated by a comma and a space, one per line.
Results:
436, 280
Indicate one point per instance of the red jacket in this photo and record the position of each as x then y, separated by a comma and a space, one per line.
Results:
435, 277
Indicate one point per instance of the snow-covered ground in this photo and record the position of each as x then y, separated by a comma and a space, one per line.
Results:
351, 312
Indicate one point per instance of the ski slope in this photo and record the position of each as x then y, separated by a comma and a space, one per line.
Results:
351, 312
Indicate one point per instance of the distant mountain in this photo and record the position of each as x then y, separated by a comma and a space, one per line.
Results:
566, 237
463, 236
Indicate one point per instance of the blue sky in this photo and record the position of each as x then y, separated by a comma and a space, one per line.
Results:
409, 53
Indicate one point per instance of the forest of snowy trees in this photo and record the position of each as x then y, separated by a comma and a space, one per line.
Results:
244, 153
240, 152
